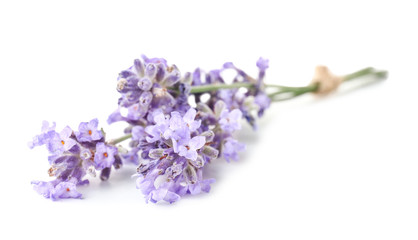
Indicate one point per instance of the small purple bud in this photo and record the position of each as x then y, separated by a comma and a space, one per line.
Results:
118, 162
209, 135
143, 166
199, 162
174, 170
145, 98
190, 175
151, 70
228, 65
145, 84
210, 152
105, 173
139, 67
262, 64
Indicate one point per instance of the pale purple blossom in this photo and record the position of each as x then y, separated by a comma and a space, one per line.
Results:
56, 190
62, 141
231, 149
47, 133
262, 64
87, 131
64, 190
189, 150
105, 155
230, 120
138, 133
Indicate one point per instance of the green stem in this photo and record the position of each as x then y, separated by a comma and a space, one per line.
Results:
357, 74
121, 139
291, 92
297, 91
285, 89
214, 87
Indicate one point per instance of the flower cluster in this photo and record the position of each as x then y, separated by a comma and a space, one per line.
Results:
173, 136
252, 102
145, 86
172, 141
73, 155
174, 150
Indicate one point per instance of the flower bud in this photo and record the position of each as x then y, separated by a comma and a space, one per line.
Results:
139, 67
105, 173
145, 84
190, 175
210, 152
199, 162
156, 153
209, 135
150, 70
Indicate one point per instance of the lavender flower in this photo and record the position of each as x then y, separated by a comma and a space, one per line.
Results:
262, 64
72, 156
177, 152
61, 142
105, 155
231, 149
88, 132
156, 131
64, 190
230, 121
138, 133
170, 141
47, 132
189, 150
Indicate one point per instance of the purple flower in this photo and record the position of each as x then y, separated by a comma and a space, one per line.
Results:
171, 141
156, 131
61, 142
262, 64
47, 133
56, 190
196, 77
145, 99
263, 101
230, 65
88, 132
145, 83
230, 121
138, 133
64, 190
180, 127
214, 76
163, 193
116, 117
131, 156
154, 60
189, 150
201, 185
105, 155
136, 112
43, 188
189, 120
231, 149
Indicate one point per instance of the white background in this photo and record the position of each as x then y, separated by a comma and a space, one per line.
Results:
340, 167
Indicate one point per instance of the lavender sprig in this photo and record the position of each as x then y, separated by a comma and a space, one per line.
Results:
171, 142
73, 155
